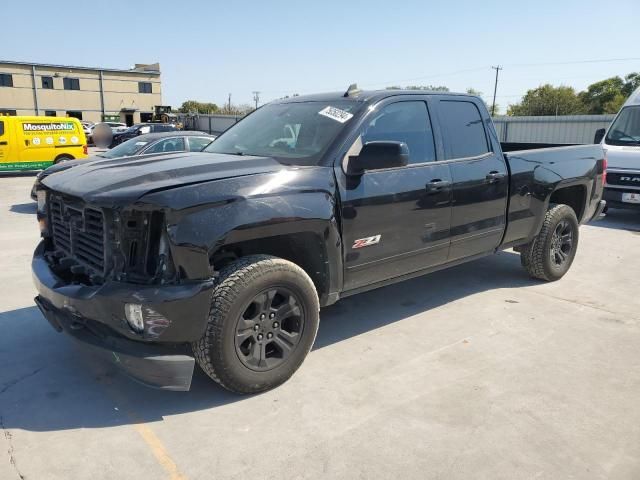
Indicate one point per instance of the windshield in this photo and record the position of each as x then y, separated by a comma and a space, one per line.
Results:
294, 133
125, 149
625, 129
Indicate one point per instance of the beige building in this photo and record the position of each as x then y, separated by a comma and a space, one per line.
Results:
93, 94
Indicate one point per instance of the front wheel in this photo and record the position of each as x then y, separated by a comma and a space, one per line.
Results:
550, 254
263, 321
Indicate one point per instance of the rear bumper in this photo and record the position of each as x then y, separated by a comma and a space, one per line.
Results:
174, 316
597, 215
613, 196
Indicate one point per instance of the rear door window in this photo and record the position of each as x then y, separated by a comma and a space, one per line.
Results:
1, 128
196, 144
463, 128
167, 145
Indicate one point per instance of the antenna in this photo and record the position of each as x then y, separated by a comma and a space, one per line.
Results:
352, 90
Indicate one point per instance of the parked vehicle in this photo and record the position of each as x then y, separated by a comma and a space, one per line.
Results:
33, 143
141, 129
621, 143
87, 128
149, 144
226, 257
117, 127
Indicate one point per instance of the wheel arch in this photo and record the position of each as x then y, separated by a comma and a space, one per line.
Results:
574, 196
316, 251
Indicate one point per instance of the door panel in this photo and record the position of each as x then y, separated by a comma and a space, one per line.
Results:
395, 221
478, 215
480, 179
412, 222
7, 142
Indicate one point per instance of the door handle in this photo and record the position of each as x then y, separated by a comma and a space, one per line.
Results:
493, 177
3, 143
436, 185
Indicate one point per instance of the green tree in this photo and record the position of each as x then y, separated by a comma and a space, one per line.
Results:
631, 83
477, 93
605, 96
548, 100
193, 106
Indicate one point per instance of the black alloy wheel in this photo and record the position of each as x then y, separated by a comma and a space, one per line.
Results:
561, 242
270, 329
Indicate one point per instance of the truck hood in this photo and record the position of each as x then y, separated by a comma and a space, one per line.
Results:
122, 181
623, 157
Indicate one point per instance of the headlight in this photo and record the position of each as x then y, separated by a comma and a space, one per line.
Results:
43, 222
42, 201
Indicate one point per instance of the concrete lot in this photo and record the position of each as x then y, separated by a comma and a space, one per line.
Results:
475, 372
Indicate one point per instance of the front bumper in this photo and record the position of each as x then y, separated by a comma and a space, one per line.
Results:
174, 316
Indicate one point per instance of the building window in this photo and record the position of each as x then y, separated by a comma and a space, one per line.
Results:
146, 117
47, 83
6, 80
74, 114
4, 111
144, 87
71, 83
50, 113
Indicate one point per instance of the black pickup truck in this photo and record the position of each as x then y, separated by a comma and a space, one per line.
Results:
225, 257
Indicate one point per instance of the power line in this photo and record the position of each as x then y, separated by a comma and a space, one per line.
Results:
574, 62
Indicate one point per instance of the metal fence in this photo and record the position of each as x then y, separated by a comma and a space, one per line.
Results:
562, 129
568, 129
210, 123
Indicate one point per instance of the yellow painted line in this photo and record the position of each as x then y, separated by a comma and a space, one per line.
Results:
159, 451
151, 439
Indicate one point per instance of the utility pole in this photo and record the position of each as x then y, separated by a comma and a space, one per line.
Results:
229, 104
256, 98
495, 90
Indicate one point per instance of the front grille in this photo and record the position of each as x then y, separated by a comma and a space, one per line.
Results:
626, 179
78, 233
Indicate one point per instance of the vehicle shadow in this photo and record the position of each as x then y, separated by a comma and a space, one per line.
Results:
57, 386
620, 219
29, 208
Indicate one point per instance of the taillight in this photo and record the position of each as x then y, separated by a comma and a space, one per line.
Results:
85, 149
604, 170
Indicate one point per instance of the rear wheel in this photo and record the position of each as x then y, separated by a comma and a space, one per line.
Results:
550, 254
263, 321
62, 158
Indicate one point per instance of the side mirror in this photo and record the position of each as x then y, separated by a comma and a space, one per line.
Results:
599, 135
378, 155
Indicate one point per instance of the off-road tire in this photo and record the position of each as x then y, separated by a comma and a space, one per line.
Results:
236, 285
535, 257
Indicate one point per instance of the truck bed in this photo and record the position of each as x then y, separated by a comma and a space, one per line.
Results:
537, 172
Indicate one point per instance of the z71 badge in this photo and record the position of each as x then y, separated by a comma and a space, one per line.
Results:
366, 242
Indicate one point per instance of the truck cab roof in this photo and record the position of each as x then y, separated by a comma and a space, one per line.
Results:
364, 96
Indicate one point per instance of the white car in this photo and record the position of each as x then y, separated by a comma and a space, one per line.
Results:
621, 143
116, 127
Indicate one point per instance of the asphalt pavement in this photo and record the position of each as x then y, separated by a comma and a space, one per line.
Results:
473, 372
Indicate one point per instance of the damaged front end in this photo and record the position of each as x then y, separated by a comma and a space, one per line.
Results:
108, 277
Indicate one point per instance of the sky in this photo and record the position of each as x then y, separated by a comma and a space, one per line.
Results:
208, 49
